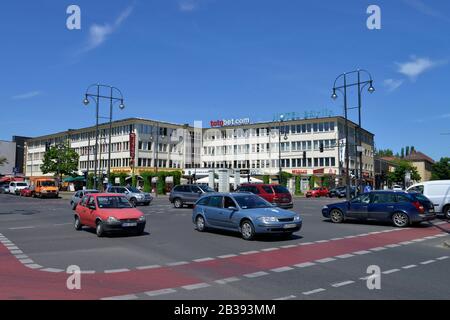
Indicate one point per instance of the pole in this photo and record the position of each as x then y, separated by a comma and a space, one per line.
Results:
347, 154
88, 159
359, 130
110, 133
96, 138
279, 152
157, 158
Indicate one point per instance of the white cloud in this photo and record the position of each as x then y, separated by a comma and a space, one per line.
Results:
188, 5
99, 33
422, 7
392, 84
28, 95
416, 66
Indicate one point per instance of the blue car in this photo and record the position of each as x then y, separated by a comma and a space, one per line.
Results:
400, 208
246, 213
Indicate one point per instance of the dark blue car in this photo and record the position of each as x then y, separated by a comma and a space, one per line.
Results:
400, 208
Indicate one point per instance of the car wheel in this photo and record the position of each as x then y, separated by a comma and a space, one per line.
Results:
247, 230
74, 206
78, 226
133, 202
99, 229
400, 220
178, 203
200, 224
447, 212
336, 216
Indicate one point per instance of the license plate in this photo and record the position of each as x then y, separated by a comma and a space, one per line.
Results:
290, 226
127, 225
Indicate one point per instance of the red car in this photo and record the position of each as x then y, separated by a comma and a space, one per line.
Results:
273, 193
317, 192
27, 192
108, 213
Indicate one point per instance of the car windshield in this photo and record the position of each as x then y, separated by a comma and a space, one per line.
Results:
280, 189
22, 184
251, 202
206, 188
48, 184
420, 197
91, 191
134, 190
113, 203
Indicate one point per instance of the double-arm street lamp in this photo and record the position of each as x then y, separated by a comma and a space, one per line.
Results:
280, 123
360, 84
115, 95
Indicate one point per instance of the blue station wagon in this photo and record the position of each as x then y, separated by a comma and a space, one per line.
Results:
400, 208
246, 213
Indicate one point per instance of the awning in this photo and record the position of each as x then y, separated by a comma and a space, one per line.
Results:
9, 179
74, 179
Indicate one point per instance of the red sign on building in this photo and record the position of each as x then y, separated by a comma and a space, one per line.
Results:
133, 146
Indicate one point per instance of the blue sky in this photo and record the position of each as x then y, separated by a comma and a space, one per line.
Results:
186, 60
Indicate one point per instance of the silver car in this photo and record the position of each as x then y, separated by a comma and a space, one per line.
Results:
76, 198
133, 195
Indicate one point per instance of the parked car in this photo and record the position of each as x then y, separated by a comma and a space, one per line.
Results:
397, 187
108, 213
188, 194
45, 188
4, 188
341, 192
15, 187
400, 208
76, 198
273, 193
246, 213
438, 192
27, 192
135, 196
317, 192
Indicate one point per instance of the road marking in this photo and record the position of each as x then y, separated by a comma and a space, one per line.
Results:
393, 246
305, 243
13, 248
391, 271
21, 256
410, 266
341, 284
378, 249
26, 261
305, 264
227, 256
196, 286
176, 264
156, 266
404, 243
62, 224
360, 253
203, 259
418, 240
88, 272
442, 235
322, 241
126, 297
427, 262
248, 253
22, 228
52, 270
285, 298
289, 246
345, 256
117, 270
442, 258
160, 292
255, 274
15, 252
307, 293
430, 238
350, 237
326, 260
282, 269
33, 266
270, 249
227, 280
336, 239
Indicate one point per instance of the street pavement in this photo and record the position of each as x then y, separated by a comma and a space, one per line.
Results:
174, 261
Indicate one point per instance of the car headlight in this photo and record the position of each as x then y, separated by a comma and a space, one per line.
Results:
268, 219
325, 208
112, 220
142, 219
297, 218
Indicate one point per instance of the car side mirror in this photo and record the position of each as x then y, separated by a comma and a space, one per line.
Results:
92, 207
234, 209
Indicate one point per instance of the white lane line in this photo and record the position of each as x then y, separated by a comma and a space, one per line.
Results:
62, 224
391, 271
285, 298
322, 241
33, 266
255, 274
176, 264
336, 239
405, 243
248, 253
270, 249
360, 253
418, 240
326, 260
289, 246
442, 258
378, 249
22, 228
52, 270
117, 270
305, 265
227, 256
441, 235
427, 262
282, 269
227, 280
87, 272
203, 259
307, 293
16, 252
350, 237
393, 246
341, 284
155, 266
410, 266
160, 292
8, 245
26, 261
13, 248
126, 297
430, 238
21, 256
345, 256
196, 286
305, 243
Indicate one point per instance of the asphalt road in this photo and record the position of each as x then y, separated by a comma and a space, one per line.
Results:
173, 261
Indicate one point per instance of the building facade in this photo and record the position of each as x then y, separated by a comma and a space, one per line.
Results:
423, 164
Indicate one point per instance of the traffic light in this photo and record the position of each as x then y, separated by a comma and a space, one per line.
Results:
322, 148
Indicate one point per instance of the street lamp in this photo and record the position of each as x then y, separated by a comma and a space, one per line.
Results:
115, 95
343, 88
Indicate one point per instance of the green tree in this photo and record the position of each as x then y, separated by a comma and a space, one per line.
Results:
402, 153
60, 160
3, 161
266, 179
385, 153
441, 170
398, 176
407, 151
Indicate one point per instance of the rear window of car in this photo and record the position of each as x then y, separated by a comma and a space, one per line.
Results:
403, 198
268, 189
420, 197
280, 189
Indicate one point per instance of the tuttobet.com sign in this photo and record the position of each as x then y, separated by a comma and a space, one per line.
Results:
229, 122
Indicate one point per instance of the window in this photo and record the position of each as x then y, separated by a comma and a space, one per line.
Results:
84, 201
91, 202
203, 201
379, 198
365, 198
215, 202
267, 189
419, 189
403, 198
228, 203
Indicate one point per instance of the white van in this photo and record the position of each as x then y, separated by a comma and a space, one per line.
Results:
16, 187
438, 192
